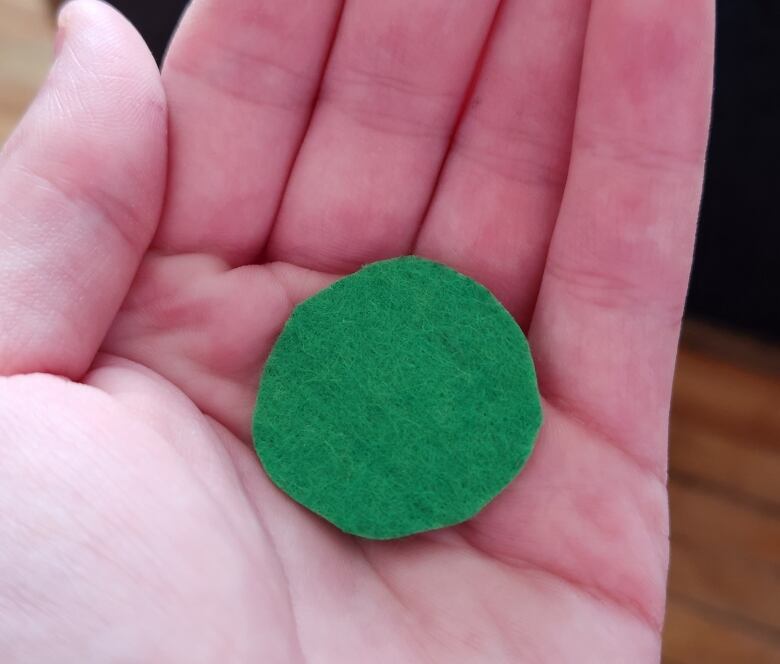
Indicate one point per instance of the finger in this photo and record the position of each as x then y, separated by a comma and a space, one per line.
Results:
391, 96
500, 190
241, 77
607, 320
81, 185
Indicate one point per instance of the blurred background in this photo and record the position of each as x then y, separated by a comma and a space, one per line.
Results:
724, 476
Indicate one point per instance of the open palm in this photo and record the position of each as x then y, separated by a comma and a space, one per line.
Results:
155, 235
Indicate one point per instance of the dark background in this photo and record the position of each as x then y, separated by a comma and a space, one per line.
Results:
736, 273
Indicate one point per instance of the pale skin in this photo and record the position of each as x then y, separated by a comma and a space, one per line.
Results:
156, 231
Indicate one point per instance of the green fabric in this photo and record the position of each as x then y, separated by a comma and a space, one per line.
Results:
401, 399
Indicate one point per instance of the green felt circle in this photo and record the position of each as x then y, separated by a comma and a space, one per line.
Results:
401, 399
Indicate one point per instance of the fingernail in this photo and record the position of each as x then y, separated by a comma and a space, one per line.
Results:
59, 39
62, 26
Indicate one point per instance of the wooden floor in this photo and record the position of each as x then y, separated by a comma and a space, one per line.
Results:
724, 487
724, 585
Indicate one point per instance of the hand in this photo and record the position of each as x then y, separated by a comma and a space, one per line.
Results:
552, 152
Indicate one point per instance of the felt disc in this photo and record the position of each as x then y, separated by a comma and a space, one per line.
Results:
400, 399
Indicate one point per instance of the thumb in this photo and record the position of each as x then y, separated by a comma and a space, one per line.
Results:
81, 189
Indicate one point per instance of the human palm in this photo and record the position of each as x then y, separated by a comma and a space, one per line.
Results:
553, 153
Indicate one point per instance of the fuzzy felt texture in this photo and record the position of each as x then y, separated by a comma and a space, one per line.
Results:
400, 399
